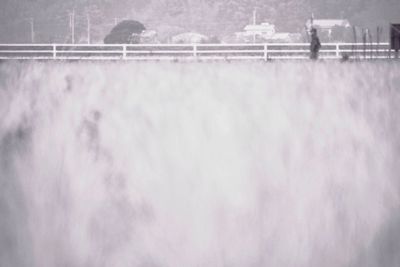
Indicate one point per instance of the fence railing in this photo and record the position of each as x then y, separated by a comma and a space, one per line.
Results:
267, 51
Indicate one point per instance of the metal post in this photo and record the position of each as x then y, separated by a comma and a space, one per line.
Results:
254, 23
378, 34
88, 27
371, 49
32, 22
354, 48
72, 25
364, 38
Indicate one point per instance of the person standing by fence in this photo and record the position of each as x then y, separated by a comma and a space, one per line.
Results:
315, 44
395, 39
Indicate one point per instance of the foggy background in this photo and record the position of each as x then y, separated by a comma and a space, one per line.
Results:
220, 18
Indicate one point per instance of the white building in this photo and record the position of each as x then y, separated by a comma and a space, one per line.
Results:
327, 25
285, 37
149, 37
189, 38
254, 32
263, 30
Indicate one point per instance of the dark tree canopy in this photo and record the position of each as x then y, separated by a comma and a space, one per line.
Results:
124, 32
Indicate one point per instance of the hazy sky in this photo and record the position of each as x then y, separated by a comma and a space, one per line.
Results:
49, 20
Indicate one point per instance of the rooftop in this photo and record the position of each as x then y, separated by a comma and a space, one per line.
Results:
328, 23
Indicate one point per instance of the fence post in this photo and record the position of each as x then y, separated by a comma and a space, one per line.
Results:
54, 51
124, 51
195, 50
265, 52
337, 51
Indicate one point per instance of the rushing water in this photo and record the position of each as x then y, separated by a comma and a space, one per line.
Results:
163, 164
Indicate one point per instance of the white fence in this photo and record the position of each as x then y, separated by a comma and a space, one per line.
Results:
265, 52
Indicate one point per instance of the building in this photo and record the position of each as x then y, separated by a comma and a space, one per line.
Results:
262, 30
254, 32
149, 37
189, 38
265, 32
327, 24
285, 37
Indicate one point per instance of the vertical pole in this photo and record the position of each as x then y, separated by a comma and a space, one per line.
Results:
377, 41
354, 47
364, 38
72, 25
70, 22
32, 22
88, 27
371, 48
254, 22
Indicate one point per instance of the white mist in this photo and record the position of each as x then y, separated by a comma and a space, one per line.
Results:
161, 164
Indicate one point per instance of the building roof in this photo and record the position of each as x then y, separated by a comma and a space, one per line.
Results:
263, 27
189, 37
285, 37
328, 23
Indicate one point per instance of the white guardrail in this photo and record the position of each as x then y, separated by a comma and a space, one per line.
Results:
267, 51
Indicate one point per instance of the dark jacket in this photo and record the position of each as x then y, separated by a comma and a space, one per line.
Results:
315, 44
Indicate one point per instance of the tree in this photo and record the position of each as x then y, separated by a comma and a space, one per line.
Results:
125, 32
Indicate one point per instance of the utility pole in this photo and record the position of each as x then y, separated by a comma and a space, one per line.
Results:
364, 39
254, 23
88, 27
312, 20
72, 25
32, 22
378, 39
